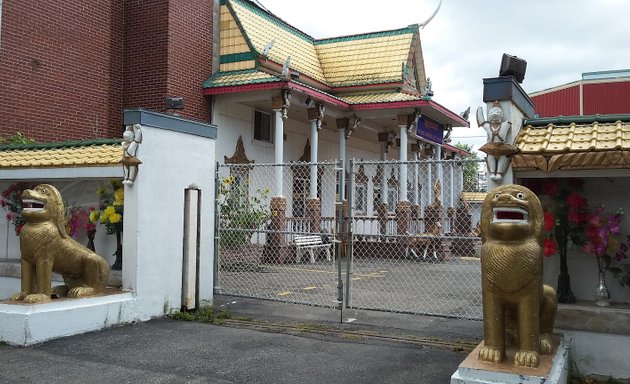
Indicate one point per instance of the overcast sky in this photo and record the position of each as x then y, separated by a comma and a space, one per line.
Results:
559, 39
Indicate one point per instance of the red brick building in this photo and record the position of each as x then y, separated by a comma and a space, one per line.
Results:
68, 69
604, 93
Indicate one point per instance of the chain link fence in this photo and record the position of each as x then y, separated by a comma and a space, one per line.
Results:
277, 248
410, 249
414, 246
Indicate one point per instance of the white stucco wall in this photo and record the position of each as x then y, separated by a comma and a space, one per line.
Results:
153, 237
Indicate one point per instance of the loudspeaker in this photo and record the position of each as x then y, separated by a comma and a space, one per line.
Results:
513, 66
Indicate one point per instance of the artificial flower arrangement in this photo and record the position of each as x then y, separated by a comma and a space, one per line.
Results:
567, 218
12, 201
111, 207
603, 241
78, 218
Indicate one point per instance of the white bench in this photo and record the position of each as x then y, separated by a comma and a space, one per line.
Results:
310, 243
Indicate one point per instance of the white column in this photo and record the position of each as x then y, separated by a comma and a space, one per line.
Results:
429, 185
440, 170
343, 157
383, 173
402, 190
314, 141
451, 187
416, 176
278, 141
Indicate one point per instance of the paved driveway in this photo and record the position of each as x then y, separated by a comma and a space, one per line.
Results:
167, 351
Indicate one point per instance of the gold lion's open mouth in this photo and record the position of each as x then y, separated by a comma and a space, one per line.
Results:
31, 205
509, 215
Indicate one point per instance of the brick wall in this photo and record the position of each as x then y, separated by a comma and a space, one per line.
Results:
68, 68
61, 69
190, 55
146, 53
168, 52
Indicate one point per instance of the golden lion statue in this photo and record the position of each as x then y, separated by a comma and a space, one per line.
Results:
514, 298
46, 248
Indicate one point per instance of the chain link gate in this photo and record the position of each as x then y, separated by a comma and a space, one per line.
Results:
416, 257
420, 256
282, 249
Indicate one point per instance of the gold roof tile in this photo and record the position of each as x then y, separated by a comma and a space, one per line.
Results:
261, 29
554, 139
380, 97
93, 155
337, 62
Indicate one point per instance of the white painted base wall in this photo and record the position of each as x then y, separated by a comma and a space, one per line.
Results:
603, 354
31, 324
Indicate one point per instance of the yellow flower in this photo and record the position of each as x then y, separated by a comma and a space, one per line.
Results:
115, 218
119, 195
110, 210
94, 215
228, 180
103, 218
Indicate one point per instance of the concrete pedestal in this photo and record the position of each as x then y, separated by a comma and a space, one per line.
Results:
553, 369
27, 324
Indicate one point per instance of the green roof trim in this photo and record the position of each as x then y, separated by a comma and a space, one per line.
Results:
236, 57
61, 144
581, 119
210, 83
223, 2
272, 18
371, 35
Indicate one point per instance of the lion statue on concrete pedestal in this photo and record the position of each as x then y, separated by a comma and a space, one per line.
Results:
515, 301
46, 248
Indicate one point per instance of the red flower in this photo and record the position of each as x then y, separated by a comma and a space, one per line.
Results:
576, 201
550, 221
18, 228
550, 247
550, 187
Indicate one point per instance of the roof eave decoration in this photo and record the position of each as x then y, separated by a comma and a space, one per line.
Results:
572, 161
587, 146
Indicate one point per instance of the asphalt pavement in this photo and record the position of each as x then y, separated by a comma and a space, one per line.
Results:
263, 342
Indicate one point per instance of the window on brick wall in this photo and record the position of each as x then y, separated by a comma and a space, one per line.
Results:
262, 127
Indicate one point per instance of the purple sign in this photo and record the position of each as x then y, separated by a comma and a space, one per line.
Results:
430, 130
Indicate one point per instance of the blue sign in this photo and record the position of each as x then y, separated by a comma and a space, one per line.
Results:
430, 130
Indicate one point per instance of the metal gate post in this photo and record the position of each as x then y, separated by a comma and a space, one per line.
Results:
339, 210
349, 271
217, 209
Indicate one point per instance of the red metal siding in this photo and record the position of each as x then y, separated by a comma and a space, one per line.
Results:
607, 98
564, 102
